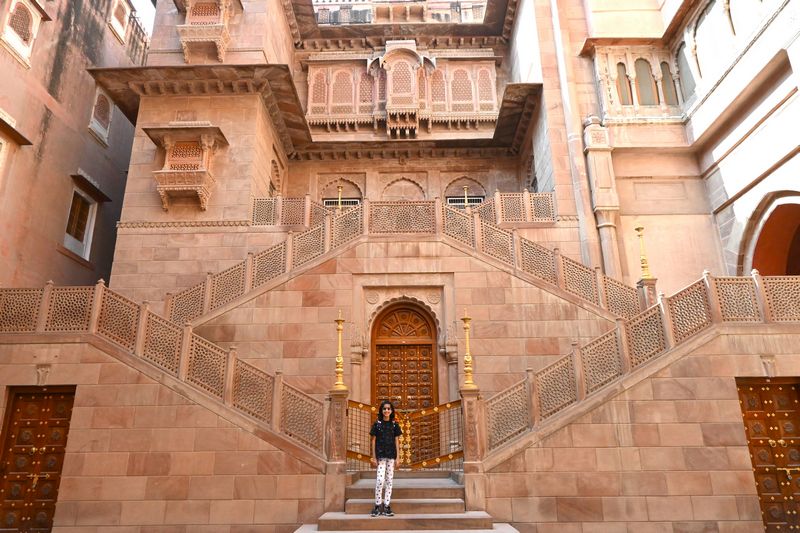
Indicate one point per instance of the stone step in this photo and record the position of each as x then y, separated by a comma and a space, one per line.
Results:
406, 474
497, 528
404, 489
469, 520
399, 506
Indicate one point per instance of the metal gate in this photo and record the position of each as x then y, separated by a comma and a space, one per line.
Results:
432, 439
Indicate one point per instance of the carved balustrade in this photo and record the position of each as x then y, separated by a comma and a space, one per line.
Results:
636, 341
174, 350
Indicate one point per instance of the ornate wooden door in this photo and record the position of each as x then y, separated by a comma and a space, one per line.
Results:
404, 369
772, 423
35, 434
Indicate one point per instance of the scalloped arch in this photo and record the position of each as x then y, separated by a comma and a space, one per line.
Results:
403, 179
333, 181
481, 189
398, 301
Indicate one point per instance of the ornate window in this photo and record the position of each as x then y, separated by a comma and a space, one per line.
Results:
80, 223
206, 24
120, 16
646, 89
22, 21
461, 92
623, 85
342, 101
668, 84
188, 152
100, 122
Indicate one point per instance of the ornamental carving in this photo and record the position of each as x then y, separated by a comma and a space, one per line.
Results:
402, 93
206, 24
188, 151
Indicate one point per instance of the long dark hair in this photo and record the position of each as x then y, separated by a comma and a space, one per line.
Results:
380, 411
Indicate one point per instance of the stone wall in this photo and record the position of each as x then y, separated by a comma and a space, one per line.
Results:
140, 454
667, 454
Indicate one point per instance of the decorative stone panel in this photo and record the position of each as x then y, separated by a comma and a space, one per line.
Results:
207, 23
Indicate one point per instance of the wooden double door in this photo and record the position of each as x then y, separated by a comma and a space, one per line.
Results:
771, 412
404, 372
34, 438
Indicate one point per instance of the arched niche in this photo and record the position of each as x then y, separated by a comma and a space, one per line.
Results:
771, 238
456, 187
349, 189
402, 189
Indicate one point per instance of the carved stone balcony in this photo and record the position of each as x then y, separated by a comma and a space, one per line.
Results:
206, 27
188, 151
183, 183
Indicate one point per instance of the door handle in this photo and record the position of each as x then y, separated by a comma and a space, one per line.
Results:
789, 471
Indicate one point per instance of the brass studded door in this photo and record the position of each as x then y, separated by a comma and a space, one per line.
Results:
404, 369
34, 437
771, 415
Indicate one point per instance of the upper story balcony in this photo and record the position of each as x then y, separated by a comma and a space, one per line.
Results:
206, 32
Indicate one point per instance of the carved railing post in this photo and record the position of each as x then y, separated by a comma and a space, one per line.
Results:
289, 250
230, 367
498, 208
439, 215
559, 268
168, 305
474, 421
97, 302
711, 293
533, 398
365, 215
336, 449
141, 329
248, 272
278, 214
526, 204
624, 354
307, 211
186, 344
580, 378
44, 306
761, 296
648, 294
277, 390
477, 230
517, 249
602, 301
327, 232
666, 319
208, 292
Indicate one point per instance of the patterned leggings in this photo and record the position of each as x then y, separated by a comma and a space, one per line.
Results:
383, 478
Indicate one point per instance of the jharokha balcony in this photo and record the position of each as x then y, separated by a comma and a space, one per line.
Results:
188, 150
205, 33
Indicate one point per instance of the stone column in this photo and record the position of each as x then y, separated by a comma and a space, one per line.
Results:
605, 200
474, 438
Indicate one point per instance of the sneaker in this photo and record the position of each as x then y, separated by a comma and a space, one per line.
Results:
377, 510
387, 511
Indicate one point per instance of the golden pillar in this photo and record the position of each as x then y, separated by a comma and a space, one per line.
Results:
469, 384
339, 385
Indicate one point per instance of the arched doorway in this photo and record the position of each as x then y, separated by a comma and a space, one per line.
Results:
404, 358
777, 251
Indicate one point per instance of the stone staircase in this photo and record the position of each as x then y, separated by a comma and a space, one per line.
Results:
431, 501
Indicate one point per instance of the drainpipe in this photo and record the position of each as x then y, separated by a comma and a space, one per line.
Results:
587, 230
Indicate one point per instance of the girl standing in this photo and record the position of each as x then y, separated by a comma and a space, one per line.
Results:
384, 445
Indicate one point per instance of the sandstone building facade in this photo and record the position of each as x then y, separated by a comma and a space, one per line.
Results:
563, 239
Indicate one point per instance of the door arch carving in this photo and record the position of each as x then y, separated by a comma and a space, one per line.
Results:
404, 358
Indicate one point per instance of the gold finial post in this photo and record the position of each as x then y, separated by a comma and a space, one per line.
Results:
468, 382
339, 190
642, 255
339, 385
466, 188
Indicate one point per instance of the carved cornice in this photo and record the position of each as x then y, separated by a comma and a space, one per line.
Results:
144, 224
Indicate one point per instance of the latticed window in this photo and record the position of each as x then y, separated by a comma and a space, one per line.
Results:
342, 92
21, 22
319, 93
186, 155
205, 13
461, 91
102, 111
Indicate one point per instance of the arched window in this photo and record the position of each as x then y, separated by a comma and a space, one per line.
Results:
319, 93
668, 84
438, 91
121, 14
365, 93
685, 73
623, 85
714, 40
461, 91
21, 22
646, 88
